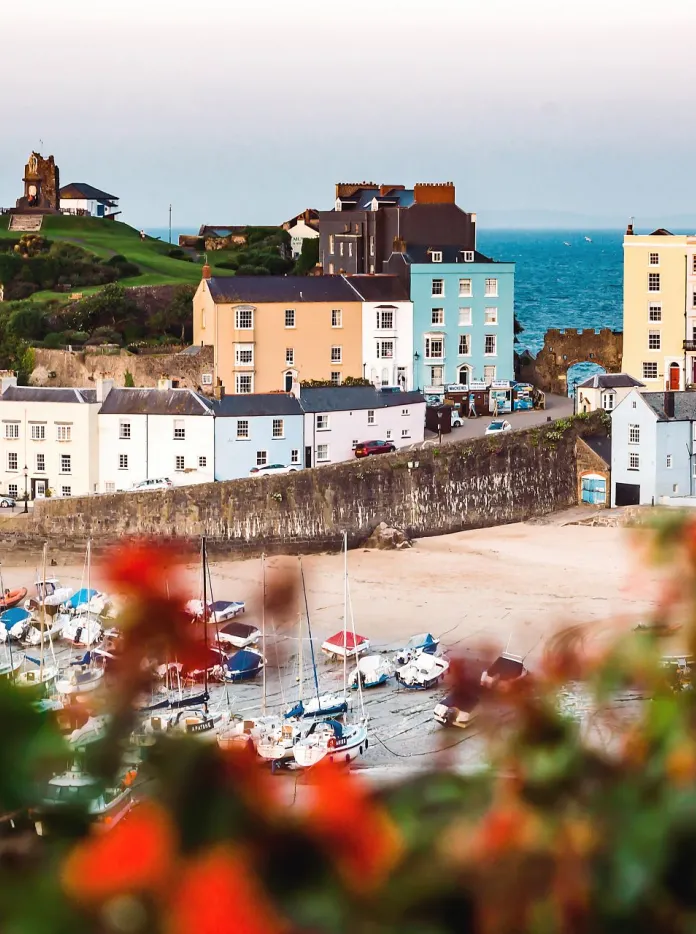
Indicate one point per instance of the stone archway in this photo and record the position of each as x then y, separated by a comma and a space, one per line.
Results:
564, 348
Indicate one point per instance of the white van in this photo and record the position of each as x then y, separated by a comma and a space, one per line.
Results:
161, 483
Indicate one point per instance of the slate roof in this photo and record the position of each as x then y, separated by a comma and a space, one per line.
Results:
363, 197
684, 406
450, 254
601, 445
352, 398
48, 394
155, 402
261, 403
290, 289
610, 381
380, 288
83, 190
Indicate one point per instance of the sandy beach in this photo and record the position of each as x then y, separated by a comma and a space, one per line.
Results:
508, 586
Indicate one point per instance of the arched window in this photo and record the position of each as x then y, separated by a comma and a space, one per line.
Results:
463, 375
289, 378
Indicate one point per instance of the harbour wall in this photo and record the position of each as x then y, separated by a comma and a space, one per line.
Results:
463, 485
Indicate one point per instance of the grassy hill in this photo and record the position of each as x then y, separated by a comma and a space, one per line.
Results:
110, 238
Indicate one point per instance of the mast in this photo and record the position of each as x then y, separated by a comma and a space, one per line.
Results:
205, 615
43, 614
309, 633
345, 614
263, 629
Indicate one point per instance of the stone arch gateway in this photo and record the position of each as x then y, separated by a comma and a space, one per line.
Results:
564, 348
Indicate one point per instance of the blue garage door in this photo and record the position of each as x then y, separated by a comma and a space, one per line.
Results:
594, 490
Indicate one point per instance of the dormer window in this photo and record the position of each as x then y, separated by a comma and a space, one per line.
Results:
436, 256
339, 204
468, 256
374, 205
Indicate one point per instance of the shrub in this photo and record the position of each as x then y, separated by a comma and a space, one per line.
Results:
28, 323
128, 380
53, 341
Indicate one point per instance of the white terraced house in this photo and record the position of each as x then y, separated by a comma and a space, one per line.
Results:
49, 440
152, 434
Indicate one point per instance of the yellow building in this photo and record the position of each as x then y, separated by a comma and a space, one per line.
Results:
270, 332
659, 308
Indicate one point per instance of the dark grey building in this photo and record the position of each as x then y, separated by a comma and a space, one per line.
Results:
359, 234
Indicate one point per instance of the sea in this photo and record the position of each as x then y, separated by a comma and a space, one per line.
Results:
563, 279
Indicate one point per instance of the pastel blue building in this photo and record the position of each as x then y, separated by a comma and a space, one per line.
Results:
257, 430
463, 317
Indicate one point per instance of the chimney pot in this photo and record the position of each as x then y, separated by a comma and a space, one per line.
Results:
206, 272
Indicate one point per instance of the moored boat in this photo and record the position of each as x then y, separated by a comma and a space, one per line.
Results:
372, 671
423, 642
422, 672
329, 739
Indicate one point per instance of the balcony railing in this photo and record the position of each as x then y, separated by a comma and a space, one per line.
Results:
690, 345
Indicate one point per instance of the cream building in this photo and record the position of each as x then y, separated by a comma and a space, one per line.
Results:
659, 309
49, 442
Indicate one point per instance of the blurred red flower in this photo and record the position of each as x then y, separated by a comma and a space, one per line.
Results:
145, 568
357, 832
218, 894
137, 855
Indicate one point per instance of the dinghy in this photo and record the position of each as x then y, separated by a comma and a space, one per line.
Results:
240, 635
457, 710
345, 645
219, 611
422, 672
505, 671
14, 624
372, 671
12, 598
86, 600
423, 642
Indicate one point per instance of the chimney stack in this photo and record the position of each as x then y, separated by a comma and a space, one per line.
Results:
8, 382
163, 384
104, 387
206, 273
219, 390
629, 229
399, 245
669, 404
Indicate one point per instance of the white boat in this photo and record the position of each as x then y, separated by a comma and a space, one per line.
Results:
35, 634
80, 679
322, 705
275, 742
90, 732
49, 593
345, 645
76, 787
41, 679
372, 671
80, 630
588, 239
422, 672
86, 600
14, 624
239, 635
219, 611
329, 739
192, 721
423, 642
457, 711
10, 666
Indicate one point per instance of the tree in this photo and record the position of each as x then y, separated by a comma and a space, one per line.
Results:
28, 323
308, 258
177, 316
128, 380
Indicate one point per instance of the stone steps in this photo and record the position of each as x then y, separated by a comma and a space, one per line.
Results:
25, 222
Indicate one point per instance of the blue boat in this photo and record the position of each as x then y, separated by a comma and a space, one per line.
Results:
424, 642
243, 666
325, 705
15, 617
82, 597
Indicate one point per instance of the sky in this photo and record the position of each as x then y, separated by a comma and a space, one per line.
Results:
250, 115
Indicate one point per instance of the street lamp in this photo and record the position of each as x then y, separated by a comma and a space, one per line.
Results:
416, 358
26, 491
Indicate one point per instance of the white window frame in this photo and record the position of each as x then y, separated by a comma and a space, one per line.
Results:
429, 341
322, 458
63, 433
66, 491
653, 259
38, 432
278, 428
469, 256
655, 312
290, 316
202, 461
490, 316
634, 434
11, 431
247, 350
335, 378
405, 432
490, 375
633, 460
385, 314
608, 399
123, 462
437, 288
465, 317
261, 458
179, 430
404, 413
240, 316
243, 379
466, 288
332, 244
654, 282
41, 459
12, 456
649, 366
654, 340
336, 318
337, 353
464, 340
206, 379
382, 349
437, 317
289, 356
323, 423
243, 432
65, 459
490, 288
124, 431
436, 256
668, 462
179, 463
494, 339
295, 456
370, 416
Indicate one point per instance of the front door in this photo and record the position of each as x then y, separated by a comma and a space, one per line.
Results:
38, 488
674, 376
288, 382
308, 456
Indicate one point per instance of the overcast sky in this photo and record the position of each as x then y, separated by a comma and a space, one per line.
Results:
250, 116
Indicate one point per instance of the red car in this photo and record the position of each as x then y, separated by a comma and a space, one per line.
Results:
365, 448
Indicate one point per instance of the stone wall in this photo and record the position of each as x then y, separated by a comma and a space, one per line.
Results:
464, 485
563, 348
82, 368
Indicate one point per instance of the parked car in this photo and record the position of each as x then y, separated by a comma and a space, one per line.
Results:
160, 483
271, 469
497, 426
366, 448
7, 502
456, 420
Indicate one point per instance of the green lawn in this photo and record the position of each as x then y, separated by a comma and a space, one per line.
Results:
107, 238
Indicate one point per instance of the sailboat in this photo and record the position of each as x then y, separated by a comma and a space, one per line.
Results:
43, 677
83, 675
329, 739
321, 705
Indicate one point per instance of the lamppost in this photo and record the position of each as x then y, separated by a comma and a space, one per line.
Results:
416, 358
26, 489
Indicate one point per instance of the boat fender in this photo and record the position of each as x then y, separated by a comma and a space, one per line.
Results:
332, 742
